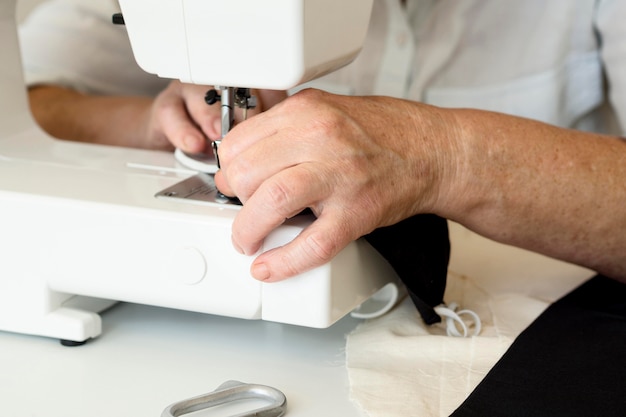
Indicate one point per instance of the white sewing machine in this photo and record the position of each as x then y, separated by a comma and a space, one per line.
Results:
80, 226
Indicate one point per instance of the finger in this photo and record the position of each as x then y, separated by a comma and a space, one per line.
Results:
172, 120
255, 150
222, 185
243, 135
206, 116
182, 132
315, 246
261, 161
239, 156
277, 199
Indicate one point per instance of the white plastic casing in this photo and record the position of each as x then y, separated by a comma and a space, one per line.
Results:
80, 229
273, 44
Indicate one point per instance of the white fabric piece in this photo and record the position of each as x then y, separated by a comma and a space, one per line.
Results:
400, 367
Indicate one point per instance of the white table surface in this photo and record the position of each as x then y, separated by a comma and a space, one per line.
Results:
148, 358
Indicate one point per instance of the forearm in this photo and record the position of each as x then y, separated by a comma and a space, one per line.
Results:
554, 191
67, 114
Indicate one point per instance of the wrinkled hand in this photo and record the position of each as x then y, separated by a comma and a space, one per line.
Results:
179, 115
357, 162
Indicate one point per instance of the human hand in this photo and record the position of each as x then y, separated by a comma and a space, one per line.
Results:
179, 115
358, 163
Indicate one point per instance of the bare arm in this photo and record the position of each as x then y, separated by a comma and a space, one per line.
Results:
554, 191
365, 162
177, 117
68, 114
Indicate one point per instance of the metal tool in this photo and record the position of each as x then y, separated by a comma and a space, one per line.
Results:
229, 97
229, 392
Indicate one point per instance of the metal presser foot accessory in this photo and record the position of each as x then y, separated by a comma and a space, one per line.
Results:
229, 97
229, 392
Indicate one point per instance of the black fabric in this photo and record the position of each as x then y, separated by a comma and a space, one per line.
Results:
570, 362
418, 249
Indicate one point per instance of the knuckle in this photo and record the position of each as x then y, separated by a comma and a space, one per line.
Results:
302, 255
289, 267
328, 125
279, 196
313, 94
239, 181
320, 248
160, 106
305, 99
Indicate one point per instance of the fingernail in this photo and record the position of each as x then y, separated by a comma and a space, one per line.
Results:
260, 272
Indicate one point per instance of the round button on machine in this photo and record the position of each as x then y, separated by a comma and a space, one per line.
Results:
186, 265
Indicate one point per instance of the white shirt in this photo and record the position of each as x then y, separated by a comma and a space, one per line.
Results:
543, 60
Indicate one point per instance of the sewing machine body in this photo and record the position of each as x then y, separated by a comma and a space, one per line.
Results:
272, 44
81, 229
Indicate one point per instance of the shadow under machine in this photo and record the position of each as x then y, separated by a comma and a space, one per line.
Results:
84, 226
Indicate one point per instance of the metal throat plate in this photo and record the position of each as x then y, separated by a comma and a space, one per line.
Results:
199, 188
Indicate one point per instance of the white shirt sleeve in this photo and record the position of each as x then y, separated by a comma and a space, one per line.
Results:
612, 40
75, 44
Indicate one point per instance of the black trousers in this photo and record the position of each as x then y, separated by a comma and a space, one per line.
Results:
571, 361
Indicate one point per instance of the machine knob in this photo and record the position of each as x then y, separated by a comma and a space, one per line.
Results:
212, 97
118, 19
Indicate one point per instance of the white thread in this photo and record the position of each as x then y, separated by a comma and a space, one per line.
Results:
385, 299
379, 304
199, 163
454, 321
